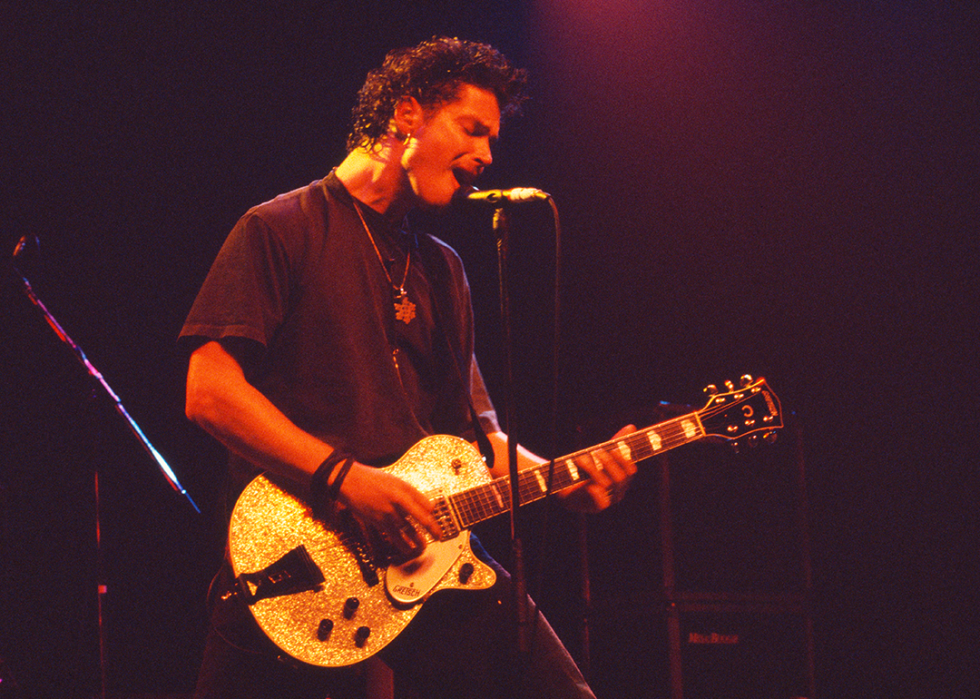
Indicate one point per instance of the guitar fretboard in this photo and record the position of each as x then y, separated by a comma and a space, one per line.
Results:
494, 498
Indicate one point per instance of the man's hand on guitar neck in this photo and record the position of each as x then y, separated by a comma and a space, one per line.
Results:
610, 473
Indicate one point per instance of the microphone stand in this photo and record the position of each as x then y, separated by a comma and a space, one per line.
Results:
101, 585
501, 228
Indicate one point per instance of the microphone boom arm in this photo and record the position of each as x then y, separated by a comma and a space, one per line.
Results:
97, 375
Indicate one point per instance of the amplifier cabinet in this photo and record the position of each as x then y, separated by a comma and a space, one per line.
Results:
698, 582
743, 655
701, 651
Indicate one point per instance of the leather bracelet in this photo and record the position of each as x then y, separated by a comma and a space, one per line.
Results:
319, 490
334, 490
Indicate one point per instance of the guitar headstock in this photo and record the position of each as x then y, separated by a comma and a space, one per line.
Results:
750, 409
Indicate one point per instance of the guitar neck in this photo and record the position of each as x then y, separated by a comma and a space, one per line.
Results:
494, 498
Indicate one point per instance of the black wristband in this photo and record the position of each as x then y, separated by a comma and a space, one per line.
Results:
334, 489
319, 491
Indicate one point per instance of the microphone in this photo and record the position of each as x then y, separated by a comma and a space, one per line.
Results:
498, 197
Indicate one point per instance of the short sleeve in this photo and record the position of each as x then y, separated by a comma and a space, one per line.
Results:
246, 292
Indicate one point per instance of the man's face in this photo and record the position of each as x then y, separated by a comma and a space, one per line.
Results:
451, 147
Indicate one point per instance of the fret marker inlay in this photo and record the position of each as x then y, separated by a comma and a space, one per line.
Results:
541, 483
572, 469
625, 450
655, 442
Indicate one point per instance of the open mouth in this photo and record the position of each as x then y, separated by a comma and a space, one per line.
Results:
464, 177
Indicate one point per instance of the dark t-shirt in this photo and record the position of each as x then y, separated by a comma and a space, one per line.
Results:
299, 279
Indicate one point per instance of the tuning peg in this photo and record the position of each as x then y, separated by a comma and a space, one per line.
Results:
746, 380
711, 389
729, 385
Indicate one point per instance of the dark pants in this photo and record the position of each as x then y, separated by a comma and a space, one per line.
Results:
460, 645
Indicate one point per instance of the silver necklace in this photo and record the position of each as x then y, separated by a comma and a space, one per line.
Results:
404, 309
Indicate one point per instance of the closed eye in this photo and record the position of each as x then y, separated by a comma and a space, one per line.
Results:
477, 129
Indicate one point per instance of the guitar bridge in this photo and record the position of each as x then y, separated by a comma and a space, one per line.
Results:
444, 516
293, 573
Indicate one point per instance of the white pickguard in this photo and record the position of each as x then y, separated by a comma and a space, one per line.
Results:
412, 581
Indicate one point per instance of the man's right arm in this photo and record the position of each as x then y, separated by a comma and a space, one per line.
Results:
227, 406
222, 401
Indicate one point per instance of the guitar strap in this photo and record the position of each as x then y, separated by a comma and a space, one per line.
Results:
441, 279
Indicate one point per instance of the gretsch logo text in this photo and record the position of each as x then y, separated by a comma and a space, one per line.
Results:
407, 591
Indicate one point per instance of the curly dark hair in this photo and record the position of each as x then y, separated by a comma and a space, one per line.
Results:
432, 73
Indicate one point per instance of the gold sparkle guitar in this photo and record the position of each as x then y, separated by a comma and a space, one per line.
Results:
327, 597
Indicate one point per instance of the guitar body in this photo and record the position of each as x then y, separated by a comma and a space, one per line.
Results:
317, 625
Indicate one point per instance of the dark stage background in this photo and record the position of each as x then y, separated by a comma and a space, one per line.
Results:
785, 189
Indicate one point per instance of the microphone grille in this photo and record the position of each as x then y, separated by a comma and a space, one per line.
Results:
526, 194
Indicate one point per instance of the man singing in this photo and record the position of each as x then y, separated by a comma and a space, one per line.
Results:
330, 336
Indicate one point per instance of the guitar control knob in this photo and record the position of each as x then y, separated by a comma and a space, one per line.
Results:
361, 636
770, 436
465, 571
350, 606
324, 629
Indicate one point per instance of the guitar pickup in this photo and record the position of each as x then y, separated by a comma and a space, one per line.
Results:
293, 573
